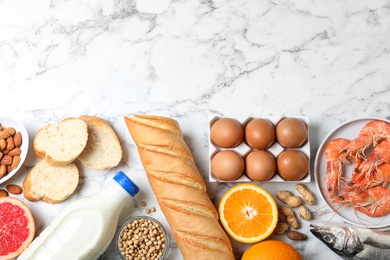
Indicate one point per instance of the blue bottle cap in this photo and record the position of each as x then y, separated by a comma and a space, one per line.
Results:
126, 183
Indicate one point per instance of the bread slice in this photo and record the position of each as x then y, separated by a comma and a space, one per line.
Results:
103, 149
51, 184
61, 143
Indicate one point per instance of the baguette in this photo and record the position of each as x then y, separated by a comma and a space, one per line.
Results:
179, 188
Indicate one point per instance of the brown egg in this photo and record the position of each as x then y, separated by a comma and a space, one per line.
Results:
291, 132
260, 165
292, 165
259, 133
227, 165
226, 132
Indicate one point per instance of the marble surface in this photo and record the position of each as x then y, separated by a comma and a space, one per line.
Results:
327, 60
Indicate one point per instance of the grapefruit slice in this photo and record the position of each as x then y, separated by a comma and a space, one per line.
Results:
17, 227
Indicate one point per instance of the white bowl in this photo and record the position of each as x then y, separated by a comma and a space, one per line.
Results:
19, 127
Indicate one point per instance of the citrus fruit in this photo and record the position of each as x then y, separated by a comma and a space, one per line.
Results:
248, 213
17, 227
271, 250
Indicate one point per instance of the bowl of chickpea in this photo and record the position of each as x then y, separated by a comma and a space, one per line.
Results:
142, 237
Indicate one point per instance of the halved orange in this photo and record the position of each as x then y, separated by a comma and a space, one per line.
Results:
248, 213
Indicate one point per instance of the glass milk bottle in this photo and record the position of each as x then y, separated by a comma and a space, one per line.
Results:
85, 228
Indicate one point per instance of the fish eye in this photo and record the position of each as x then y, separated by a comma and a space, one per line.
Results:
328, 238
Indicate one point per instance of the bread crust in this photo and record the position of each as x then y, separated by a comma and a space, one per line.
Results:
30, 184
111, 142
179, 188
43, 151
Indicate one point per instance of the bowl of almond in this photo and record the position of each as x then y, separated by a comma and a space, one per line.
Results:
14, 144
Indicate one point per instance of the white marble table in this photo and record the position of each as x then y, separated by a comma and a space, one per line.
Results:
186, 60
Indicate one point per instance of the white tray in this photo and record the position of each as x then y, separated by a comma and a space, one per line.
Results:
243, 149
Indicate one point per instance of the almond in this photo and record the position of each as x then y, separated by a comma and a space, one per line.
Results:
3, 193
295, 235
14, 152
3, 170
4, 134
6, 160
3, 144
10, 143
14, 189
18, 139
10, 130
1, 155
15, 163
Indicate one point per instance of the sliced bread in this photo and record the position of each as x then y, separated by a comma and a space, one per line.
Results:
61, 143
103, 149
51, 184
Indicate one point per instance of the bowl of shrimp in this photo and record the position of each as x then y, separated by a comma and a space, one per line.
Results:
352, 172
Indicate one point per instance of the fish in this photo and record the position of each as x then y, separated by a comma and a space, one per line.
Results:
353, 242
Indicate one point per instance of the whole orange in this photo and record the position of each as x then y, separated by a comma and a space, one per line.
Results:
271, 250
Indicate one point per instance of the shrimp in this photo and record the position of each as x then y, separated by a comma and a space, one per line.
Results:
381, 176
334, 165
380, 155
372, 133
374, 202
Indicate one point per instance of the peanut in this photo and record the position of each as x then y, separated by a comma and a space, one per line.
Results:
288, 198
304, 213
295, 235
283, 195
306, 193
290, 216
280, 228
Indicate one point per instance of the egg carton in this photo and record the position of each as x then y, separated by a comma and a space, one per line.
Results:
243, 148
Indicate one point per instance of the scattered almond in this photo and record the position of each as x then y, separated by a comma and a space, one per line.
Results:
295, 235
3, 193
14, 189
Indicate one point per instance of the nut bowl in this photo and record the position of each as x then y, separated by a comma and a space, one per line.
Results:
143, 237
5, 123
